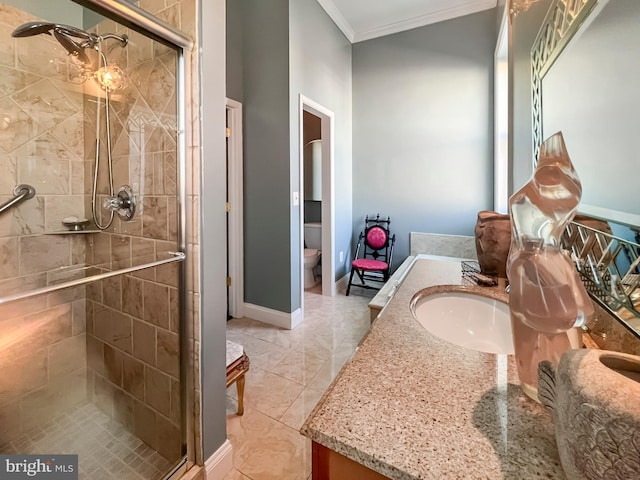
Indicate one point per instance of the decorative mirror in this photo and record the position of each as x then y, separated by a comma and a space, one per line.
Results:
584, 83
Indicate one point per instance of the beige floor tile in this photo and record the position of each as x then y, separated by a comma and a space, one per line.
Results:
326, 374
268, 393
265, 449
298, 367
236, 475
297, 413
290, 370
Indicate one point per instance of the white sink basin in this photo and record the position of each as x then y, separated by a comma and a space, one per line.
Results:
468, 320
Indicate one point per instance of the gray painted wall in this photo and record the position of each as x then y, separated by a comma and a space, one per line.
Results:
213, 299
321, 70
68, 13
267, 166
423, 127
234, 34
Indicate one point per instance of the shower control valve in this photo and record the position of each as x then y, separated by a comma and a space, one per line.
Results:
123, 203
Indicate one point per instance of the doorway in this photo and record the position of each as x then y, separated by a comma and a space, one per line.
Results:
323, 208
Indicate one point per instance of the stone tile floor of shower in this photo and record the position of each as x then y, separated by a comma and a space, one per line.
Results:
290, 370
105, 449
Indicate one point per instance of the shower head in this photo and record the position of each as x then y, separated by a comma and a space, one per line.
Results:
65, 34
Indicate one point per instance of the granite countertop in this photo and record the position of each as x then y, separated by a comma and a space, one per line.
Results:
411, 406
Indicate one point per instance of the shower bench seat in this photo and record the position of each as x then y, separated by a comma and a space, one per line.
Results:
237, 366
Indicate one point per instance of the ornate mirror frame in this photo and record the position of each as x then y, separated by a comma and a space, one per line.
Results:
608, 265
563, 20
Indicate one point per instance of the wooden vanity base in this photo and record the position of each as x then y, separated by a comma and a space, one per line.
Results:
329, 465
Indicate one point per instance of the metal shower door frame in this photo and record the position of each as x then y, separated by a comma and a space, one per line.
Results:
147, 24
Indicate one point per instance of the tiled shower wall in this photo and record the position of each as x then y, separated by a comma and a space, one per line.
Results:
42, 340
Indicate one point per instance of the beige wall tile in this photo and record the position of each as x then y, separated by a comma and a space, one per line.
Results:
123, 409
122, 332
169, 353
102, 324
175, 401
44, 164
22, 374
95, 356
40, 254
9, 257
112, 292
157, 387
57, 208
133, 376
144, 342
145, 424
169, 442
132, 301
156, 304
67, 356
103, 394
25, 219
120, 251
154, 217
174, 310
36, 331
113, 364
78, 317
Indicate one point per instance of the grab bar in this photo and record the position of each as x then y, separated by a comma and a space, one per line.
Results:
20, 193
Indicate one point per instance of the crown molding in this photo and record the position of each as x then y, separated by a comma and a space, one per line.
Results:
414, 22
338, 18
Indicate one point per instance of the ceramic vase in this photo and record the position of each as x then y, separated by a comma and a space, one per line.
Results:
493, 237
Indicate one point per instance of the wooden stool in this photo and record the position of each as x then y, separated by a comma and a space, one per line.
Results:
237, 366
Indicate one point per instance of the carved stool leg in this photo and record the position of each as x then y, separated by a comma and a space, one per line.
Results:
240, 387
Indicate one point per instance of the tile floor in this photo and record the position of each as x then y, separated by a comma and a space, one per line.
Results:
106, 450
290, 370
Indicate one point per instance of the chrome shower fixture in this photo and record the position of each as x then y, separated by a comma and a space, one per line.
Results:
73, 39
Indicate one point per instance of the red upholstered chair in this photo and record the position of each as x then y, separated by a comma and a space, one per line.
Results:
376, 246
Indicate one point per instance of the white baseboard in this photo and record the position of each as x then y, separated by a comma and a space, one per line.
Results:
220, 463
273, 317
341, 285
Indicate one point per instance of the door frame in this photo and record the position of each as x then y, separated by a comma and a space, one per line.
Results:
236, 215
327, 119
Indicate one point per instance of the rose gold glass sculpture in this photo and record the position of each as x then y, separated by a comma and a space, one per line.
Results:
546, 298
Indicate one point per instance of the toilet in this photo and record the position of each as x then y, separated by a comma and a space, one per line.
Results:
313, 242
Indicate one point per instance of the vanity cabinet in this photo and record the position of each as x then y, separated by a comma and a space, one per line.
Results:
327, 464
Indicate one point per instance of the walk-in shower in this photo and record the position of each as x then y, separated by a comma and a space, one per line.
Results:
93, 339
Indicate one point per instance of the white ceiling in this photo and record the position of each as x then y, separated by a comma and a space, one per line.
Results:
365, 19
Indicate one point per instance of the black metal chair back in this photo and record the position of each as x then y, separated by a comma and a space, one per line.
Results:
376, 245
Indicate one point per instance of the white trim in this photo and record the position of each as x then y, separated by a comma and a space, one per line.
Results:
336, 15
236, 235
501, 117
273, 317
220, 463
422, 20
341, 285
327, 118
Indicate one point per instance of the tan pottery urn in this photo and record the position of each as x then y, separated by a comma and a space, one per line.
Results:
493, 239
594, 396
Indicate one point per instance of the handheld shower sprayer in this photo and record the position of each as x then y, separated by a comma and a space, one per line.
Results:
75, 41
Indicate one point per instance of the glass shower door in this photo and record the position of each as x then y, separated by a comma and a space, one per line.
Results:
90, 266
